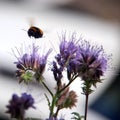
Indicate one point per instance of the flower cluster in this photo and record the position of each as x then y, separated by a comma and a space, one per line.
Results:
82, 59
18, 105
77, 58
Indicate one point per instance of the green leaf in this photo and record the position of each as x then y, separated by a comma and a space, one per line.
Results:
48, 101
77, 116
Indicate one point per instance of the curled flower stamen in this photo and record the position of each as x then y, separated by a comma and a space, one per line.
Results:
31, 61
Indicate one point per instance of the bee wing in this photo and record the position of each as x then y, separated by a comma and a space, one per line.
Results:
31, 21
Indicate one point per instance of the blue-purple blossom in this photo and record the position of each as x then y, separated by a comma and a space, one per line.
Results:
68, 48
72, 68
31, 64
18, 105
92, 61
67, 52
57, 72
80, 58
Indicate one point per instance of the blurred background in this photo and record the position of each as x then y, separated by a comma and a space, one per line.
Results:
96, 20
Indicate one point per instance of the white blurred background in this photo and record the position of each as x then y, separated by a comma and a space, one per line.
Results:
53, 16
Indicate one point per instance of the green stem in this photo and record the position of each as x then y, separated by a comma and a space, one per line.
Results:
57, 94
52, 106
70, 81
87, 90
47, 88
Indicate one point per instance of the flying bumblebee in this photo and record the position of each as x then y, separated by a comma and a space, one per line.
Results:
34, 31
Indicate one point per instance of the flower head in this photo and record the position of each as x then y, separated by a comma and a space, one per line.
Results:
57, 72
18, 105
67, 52
31, 64
68, 48
92, 62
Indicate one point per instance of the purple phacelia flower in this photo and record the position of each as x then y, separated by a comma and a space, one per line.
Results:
92, 62
57, 72
72, 68
67, 52
68, 48
31, 64
18, 105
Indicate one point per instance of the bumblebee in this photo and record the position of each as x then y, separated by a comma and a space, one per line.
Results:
35, 32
